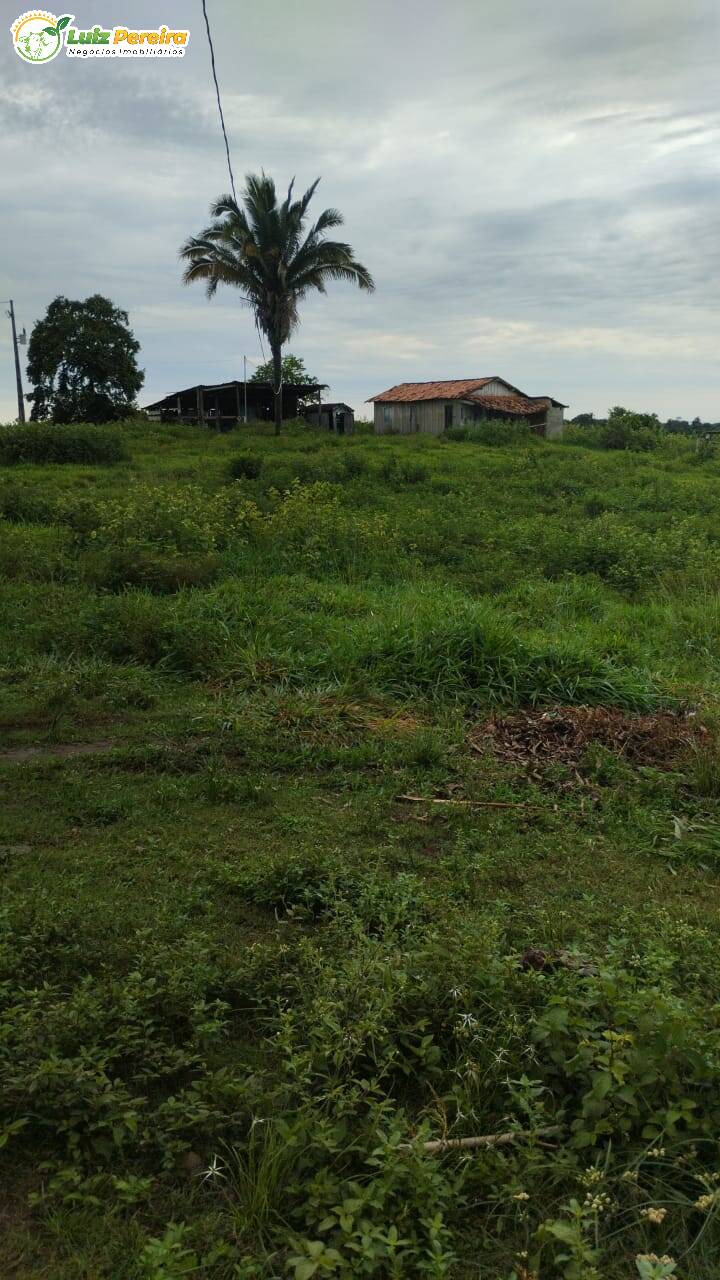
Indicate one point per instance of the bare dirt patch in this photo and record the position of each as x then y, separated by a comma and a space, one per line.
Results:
536, 738
61, 750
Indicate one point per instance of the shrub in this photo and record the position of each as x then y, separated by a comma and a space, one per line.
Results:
350, 466
622, 434
42, 442
630, 558
398, 473
245, 467
312, 526
184, 518
637, 1057
640, 432
278, 477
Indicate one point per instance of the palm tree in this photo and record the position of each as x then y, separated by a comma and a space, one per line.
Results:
264, 249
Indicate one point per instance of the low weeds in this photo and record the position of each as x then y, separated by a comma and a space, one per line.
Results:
385, 1031
182, 519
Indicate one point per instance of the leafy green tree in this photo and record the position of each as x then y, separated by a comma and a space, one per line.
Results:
625, 429
293, 371
266, 249
630, 419
81, 362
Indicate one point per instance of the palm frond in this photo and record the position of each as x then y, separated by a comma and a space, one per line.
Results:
262, 247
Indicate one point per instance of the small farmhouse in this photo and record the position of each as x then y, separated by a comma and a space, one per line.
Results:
433, 407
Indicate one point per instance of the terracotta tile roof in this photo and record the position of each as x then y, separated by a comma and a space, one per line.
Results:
456, 389
522, 405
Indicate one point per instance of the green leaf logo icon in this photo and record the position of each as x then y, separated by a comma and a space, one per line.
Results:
35, 42
55, 31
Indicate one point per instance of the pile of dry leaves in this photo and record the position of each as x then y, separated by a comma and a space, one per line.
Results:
535, 738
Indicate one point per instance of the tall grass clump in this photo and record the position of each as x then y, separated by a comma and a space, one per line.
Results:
452, 648
32, 552
42, 442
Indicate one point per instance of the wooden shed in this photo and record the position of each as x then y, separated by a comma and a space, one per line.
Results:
433, 407
223, 405
336, 416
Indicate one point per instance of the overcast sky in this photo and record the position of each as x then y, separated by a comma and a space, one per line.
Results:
535, 188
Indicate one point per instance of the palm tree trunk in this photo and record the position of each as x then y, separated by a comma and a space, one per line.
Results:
277, 386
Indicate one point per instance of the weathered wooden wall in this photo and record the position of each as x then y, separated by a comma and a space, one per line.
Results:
427, 416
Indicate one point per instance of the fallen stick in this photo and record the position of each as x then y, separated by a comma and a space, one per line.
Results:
483, 1140
474, 804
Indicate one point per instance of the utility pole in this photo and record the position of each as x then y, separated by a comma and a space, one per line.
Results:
245, 387
18, 375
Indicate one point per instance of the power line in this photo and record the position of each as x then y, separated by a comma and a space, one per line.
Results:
217, 94
224, 134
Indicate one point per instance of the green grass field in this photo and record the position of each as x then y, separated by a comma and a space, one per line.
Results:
303, 868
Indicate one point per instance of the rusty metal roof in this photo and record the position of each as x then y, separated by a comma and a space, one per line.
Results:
468, 389
254, 389
455, 389
521, 405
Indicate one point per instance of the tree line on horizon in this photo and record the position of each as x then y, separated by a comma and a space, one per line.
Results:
647, 421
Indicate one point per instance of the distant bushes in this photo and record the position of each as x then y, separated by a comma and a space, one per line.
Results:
616, 435
311, 526
640, 432
623, 434
628, 557
43, 442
